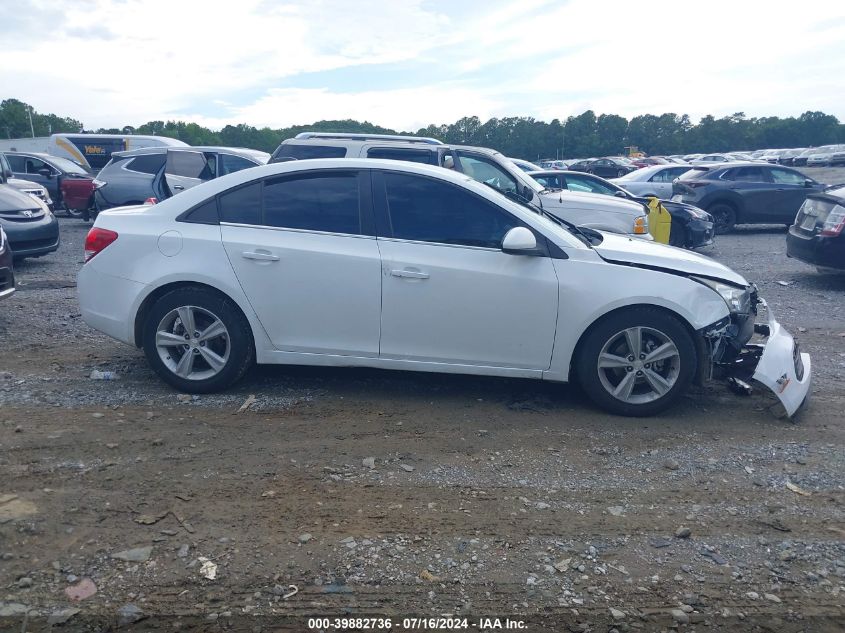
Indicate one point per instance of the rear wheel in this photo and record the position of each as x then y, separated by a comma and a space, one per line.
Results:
636, 362
620, 173
724, 217
197, 340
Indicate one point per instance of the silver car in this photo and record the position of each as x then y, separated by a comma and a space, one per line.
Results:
652, 181
134, 176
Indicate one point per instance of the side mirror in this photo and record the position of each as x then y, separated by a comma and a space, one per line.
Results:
519, 241
7, 173
46, 172
809, 182
528, 194
619, 194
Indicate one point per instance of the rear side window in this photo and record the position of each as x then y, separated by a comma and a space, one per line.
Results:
746, 174
229, 164
304, 152
314, 202
242, 206
413, 155
696, 173
428, 210
147, 164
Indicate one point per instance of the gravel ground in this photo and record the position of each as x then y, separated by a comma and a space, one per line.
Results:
401, 494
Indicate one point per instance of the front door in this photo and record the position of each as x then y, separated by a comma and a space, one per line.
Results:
188, 168
790, 192
304, 251
449, 294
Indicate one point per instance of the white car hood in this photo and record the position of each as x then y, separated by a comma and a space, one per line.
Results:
588, 201
618, 248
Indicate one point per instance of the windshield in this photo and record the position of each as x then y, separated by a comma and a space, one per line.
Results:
67, 165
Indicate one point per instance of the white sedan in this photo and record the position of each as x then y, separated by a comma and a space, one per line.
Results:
393, 264
652, 181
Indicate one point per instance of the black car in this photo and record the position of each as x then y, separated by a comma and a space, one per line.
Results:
611, 167
818, 235
581, 165
745, 193
31, 228
48, 171
691, 227
7, 273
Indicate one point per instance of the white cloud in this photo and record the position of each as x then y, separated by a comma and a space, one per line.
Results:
111, 63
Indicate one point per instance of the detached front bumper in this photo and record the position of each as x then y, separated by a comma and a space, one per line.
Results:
784, 368
778, 363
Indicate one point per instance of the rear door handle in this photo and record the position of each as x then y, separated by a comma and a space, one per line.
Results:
409, 274
262, 256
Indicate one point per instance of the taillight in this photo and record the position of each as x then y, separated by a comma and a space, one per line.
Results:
151, 200
99, 183
694, 184
835, 222
641, 225
96, 240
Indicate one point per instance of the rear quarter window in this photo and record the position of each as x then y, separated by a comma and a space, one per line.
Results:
147, 164
696, 174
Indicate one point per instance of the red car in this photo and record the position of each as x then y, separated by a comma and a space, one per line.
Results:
78, 195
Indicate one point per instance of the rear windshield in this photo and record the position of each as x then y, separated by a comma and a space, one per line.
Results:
696, 173
304, 152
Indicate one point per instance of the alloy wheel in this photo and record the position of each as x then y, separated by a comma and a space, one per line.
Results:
192, 342
639, 365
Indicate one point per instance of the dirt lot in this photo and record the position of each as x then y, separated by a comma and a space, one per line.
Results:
407, 495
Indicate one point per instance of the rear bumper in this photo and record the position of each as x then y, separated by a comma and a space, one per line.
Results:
7, 279
827, 252
108, 303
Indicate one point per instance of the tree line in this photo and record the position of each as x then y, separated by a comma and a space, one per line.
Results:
581, 136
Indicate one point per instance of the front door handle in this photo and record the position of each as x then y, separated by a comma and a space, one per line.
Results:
409, 274
178, 187
262, 256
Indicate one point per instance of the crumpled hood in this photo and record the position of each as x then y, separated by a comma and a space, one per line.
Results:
621, 249
13, 200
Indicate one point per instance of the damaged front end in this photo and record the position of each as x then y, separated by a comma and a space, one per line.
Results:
773, 358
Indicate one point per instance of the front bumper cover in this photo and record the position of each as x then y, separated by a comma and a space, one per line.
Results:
777, 362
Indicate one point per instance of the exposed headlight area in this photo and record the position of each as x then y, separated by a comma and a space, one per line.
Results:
738, 299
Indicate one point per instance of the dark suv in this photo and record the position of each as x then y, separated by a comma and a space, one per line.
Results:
745, 193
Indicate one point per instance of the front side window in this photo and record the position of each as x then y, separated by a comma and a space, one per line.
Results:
548, 181
314, 202
488, 172
786, 177
229, 164
428, 210
576, 183
32, 165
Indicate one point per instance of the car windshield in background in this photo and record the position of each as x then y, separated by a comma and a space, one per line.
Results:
68, 166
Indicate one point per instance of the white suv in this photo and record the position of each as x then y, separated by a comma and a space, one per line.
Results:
480, 163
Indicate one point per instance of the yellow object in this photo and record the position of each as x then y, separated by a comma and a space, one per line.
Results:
659, 221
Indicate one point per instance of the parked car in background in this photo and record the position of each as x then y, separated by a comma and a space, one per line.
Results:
26, 186
745, 193
610, 167
652, 181
710, 159
7, 268
581, 165
691, 227
400, 265
479, 163
524, 165
771, 155
133, 177
818, 235
824, 156
801, 159
49, 172
648, 161
787, 156
555, 164
31, 228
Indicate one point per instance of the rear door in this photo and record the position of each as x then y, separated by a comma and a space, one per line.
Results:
188, 168
756, 189
304, 250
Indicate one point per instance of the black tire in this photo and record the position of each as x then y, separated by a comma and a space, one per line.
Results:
724, 217
597, 381
241, 349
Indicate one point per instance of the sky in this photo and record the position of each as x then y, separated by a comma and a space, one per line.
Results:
404, 64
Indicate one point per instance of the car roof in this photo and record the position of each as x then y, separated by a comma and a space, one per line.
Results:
237, 151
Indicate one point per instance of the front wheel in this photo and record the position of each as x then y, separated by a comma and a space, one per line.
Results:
620, 173
197, 340
636, 362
